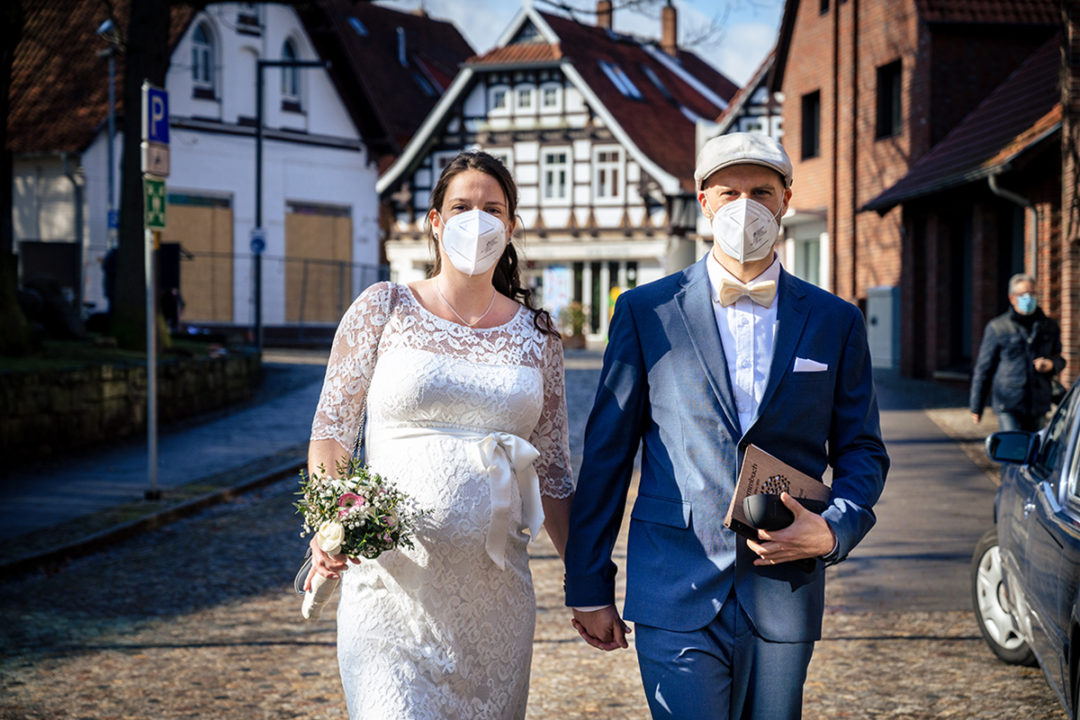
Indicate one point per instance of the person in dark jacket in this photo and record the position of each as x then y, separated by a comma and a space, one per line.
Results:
1019, 356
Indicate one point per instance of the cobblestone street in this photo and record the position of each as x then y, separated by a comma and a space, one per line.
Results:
198, 620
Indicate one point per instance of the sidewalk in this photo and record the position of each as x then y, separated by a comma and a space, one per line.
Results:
93, 499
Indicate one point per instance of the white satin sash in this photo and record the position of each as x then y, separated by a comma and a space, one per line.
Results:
504, 457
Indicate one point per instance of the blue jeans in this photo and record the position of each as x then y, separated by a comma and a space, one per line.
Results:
1019, 421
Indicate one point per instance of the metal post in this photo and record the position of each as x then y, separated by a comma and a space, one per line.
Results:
258, 202
261, 65
112, 149
151, 366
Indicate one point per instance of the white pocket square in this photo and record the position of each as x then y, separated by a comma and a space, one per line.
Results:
807, 365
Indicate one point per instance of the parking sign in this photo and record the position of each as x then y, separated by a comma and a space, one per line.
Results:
155, 114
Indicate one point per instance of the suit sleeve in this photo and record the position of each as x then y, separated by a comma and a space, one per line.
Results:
1055, 356
857, 452
612, 436
983, 374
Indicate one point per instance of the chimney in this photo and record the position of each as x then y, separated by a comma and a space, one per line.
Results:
669, 30
603, 14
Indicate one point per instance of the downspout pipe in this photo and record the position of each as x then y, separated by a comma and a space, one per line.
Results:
1033, 220
77, 198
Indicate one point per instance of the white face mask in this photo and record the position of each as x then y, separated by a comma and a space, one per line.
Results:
745, 229
474, 241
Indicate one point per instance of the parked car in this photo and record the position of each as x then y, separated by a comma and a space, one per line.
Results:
1026, 570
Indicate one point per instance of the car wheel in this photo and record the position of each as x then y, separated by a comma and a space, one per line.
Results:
996, 622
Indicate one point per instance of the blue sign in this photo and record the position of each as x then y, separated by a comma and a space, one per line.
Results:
258, 240
157, 115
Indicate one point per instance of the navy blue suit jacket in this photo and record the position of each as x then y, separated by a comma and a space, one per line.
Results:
665, 387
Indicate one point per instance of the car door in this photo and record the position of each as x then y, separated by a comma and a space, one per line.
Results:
1052, 531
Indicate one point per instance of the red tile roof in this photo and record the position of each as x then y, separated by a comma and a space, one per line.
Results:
387, 99
1025, 12
656, 124
1018, 113
59, 86
521, 53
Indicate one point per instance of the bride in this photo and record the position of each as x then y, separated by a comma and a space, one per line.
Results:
462, 380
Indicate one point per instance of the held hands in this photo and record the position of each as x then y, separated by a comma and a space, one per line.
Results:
603, 628
328, 566
808, 536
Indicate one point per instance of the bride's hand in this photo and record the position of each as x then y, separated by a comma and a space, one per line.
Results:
326, 565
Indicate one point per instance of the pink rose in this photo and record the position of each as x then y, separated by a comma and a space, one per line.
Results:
348, 501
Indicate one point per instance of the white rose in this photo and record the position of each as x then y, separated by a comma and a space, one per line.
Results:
330, 537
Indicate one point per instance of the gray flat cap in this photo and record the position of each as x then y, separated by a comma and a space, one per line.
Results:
741, 148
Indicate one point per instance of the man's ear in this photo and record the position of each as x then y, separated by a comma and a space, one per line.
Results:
704, 205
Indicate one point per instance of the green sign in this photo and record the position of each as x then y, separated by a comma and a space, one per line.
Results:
154, 202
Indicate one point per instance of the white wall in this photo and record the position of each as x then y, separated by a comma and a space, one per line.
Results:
220, 160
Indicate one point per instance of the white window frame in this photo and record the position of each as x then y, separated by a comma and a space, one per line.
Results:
529, 93
291, 75
602, 175
439, 160
558, 105
567, 170
202, 57
620, 80
504, 155
507, 99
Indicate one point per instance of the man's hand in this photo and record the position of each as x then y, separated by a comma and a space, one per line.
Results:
1043, 365
976, 417
808, 536
603, 628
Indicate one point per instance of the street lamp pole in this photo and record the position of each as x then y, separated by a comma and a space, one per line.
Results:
108, 31
260, 66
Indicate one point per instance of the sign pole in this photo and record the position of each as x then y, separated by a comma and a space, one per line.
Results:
154, 493
155, 167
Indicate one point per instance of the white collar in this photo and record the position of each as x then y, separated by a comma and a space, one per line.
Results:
717, 271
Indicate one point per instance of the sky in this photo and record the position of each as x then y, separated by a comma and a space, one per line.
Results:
738, 33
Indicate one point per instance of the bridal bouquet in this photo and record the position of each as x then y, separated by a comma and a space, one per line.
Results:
356, 513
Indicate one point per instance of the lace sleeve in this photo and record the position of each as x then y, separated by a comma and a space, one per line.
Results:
551, 436
352, 361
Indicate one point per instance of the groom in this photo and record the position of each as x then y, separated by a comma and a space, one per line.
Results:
731, 351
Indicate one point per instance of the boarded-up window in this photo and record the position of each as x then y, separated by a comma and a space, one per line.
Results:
203, 226
318, 265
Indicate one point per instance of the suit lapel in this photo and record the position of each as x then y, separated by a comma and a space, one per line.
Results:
791, 316
696, 307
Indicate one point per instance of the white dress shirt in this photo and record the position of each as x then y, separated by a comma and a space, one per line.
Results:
748, 334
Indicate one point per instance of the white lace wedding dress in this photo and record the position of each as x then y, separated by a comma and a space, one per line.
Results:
442, 632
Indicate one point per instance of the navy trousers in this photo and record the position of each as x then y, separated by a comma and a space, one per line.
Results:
723, 671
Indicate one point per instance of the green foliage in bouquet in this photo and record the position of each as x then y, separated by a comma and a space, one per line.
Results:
356, 513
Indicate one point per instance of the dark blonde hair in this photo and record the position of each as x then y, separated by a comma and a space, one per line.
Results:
507, 277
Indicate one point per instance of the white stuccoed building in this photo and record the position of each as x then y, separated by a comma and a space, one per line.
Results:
598, 130
324, 141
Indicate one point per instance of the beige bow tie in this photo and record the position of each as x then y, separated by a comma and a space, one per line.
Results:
761, 292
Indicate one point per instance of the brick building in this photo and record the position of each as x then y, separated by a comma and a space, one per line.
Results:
869, 88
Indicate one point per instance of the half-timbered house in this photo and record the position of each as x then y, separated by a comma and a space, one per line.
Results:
598, 129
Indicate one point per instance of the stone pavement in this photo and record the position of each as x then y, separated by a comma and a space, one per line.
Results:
196, 619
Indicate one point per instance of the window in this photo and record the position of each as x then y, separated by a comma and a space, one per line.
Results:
620, 80
202, 62
823, 7
1056, 438
247, 18
607, 178
503, 156
359, 27
811, 125
888, 100
808, 259
441, 159
655, 80
290, 79
499, 100
555, 175
524, 98
550, 97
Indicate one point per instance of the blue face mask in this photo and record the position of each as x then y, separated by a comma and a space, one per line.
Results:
1026, 304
